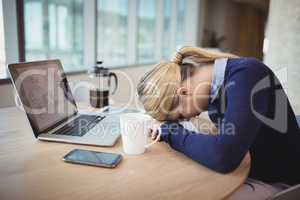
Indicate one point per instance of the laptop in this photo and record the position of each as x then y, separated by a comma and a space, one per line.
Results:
45, 95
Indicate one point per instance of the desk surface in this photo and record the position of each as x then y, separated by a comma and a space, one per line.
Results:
32, 169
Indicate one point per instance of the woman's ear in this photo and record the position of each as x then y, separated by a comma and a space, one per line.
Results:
182, 91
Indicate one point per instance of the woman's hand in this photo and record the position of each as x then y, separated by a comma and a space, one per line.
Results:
153, 134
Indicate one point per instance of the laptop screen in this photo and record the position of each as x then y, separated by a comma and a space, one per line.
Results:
44, 92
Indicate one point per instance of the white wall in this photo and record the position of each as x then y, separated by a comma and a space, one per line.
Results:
283, 54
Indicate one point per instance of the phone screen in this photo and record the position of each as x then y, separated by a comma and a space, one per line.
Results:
95, 158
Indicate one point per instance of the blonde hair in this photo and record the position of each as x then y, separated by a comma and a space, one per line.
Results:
157, 88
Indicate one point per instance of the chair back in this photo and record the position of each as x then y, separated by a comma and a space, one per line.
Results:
292, 193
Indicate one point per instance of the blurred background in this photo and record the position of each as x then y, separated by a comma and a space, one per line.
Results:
132, 35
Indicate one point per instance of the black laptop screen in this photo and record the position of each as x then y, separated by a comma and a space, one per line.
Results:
44, 92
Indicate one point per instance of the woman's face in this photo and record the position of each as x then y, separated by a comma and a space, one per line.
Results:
193, 95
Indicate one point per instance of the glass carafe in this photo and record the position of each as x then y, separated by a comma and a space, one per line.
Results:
101, 79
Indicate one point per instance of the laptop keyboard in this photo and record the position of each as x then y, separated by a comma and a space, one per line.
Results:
79, 126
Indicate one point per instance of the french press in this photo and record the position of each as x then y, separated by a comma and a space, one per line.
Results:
101, 79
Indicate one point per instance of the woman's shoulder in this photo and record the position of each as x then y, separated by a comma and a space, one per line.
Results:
246, 63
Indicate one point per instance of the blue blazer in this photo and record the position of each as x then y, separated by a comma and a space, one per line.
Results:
252, 113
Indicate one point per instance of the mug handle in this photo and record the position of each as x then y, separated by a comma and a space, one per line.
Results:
156, 140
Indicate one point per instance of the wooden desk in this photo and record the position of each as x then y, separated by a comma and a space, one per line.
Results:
32, 169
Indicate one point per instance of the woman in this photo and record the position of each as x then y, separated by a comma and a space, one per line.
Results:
244, 100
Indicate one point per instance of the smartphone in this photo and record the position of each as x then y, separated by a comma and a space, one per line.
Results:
93, 158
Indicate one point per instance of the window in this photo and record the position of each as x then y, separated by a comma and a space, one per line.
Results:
54, 29
2, 47
140, 31
112, 31
166, 43
180, 21
146, 31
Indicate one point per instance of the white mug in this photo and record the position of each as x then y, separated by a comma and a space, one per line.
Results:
134, 130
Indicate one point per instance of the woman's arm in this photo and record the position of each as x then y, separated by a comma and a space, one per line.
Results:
224, 152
